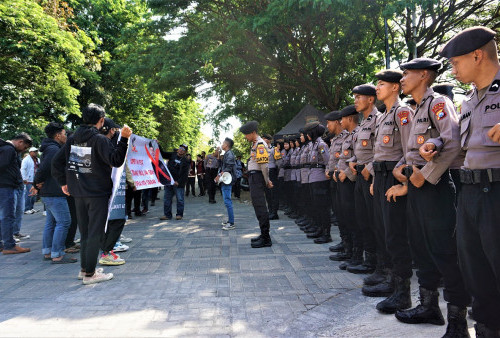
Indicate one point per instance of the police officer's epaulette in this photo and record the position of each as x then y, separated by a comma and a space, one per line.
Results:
495, 86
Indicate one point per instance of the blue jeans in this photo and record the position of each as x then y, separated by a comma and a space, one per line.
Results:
29, 201
7, 217
56, 228
226, 195
19, 209
170, 191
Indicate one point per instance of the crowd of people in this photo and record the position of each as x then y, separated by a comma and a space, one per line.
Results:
410, 185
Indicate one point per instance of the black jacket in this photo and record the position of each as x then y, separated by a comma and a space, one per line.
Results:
10, 166
178, 167
84, 162
50, 188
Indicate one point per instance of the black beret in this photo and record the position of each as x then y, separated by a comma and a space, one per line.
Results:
348, 111
421, 63
365, 89
444, 89
467, 41
411, 102
333, 116
390, 75
309, 126
249, 127
267, 136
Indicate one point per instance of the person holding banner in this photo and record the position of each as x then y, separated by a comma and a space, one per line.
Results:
226, 178
178, 166
82, 168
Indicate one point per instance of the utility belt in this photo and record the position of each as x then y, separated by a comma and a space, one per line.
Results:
408, 171
254, 172
479, 176
287, 166
359, 168
317, 165
384, 166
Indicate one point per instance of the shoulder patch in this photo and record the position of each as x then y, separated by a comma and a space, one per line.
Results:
495, 86
438, 110
403, 117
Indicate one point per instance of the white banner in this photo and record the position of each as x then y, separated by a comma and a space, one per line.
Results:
146, 164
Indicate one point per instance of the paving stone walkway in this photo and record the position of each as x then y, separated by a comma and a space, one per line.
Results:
190, 278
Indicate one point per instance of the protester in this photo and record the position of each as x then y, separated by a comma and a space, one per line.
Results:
83, 169
178, 166
228, 166
191, 176
211, 170
11, 191
239, 174
29, 166
200, 174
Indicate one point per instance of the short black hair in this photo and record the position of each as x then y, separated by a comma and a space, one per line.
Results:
24, 137
93, 113
267, 137
229, 141
52, 129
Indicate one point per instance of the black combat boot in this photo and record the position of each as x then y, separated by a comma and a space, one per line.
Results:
377, 277
256, 239
294, 215
325, 236
384, 289
344, 255
484, 332
310, 228
300, 219
457, 322
264, 241
367, 266
399, 300
337, 247
316, 234
356, 259
427, 312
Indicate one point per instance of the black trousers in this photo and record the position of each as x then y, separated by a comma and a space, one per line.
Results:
201, 184
363, 202
320, 204
288, 193
281, 192
391, 227
70, 237
115, 228
455, 176
258, 195
432, 216
346, 197
237, 187
92, 213
190, 185
275, 196
478, 237
210, 183
130, 195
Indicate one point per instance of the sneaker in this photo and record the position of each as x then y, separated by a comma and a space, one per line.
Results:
21, 236
34, 211
178, 217
165, 218
28, 212
119, 247
44, 213
124, 239
228, 226
77, 241
97, 278
82, 274
111, 259
17, 240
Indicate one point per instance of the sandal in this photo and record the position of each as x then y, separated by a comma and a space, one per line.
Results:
65, 260
73, 249
47, 258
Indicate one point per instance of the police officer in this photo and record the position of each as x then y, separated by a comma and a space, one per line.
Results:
335, 127
318, 158
258, 179
305, 221
473, 56
395, 263
361, 165
211, 168
273, 177
289, 147
281, 174
431, 194
347, 180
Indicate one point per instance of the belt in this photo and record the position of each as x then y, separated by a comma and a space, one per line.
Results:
317, 165
359, 167
253, 172
287, 166
478, 176
384, 165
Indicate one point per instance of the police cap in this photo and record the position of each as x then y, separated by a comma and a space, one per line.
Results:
249, 127
348, 111
390, 75
444, 89
365, 89
467, 41
422, 63
333, 116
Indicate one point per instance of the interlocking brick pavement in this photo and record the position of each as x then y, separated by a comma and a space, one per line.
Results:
190, 278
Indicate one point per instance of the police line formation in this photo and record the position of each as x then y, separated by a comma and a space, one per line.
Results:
415, 185
410, 187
